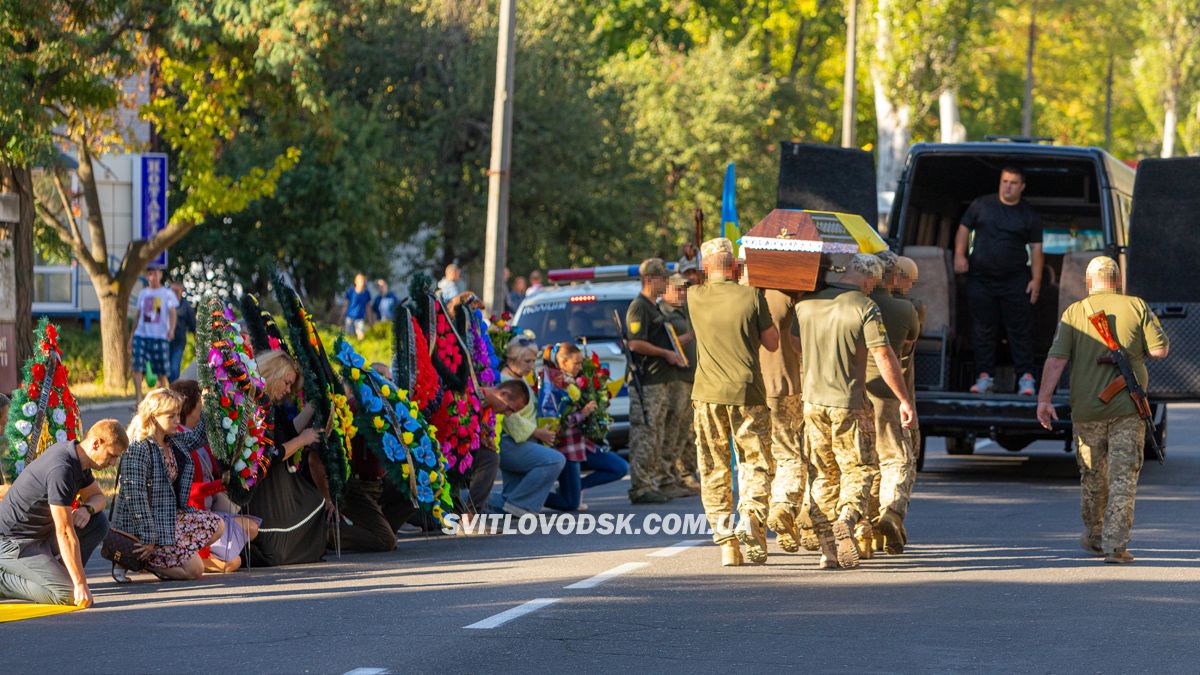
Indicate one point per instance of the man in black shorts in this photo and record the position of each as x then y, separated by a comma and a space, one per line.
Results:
1002, 281
56, 507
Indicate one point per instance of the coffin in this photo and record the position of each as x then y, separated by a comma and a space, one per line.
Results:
793, 250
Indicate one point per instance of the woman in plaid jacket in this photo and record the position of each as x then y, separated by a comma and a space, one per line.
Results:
155, 481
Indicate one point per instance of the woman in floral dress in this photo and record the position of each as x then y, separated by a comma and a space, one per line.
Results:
155, 481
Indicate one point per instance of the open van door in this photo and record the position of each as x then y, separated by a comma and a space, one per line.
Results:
825, 178
1161, 263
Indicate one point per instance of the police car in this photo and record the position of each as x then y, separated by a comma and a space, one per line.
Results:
580, 309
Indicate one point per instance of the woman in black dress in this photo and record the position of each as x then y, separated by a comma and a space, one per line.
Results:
290, 505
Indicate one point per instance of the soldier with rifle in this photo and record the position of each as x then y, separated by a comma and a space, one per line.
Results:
1106, 337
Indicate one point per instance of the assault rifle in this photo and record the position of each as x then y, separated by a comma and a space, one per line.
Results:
1126, 380
630, 367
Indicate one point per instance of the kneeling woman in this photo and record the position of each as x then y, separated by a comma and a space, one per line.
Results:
155, 481
291, 507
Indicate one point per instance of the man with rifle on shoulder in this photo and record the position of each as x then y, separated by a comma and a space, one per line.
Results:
1106, 337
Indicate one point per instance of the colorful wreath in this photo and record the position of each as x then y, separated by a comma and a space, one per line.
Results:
260, 325
321, 387
43, 410
238, 430
459, 431
397, 433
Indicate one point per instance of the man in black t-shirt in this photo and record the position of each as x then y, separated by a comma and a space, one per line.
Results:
39, 519
1002, 281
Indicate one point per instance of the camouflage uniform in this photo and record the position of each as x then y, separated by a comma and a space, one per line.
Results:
841, 450
681, 449
750, 426
647, 438
893, 443
1110, 458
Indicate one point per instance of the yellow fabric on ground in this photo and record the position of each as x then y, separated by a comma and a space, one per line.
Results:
24, 610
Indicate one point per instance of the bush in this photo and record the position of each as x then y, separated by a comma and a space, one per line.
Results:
375, 346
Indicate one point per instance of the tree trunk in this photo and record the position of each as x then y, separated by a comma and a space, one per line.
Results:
849, 79
1108, 102
114, 336
1027, 108
893, 122
19, 180
952, 130
1170, 121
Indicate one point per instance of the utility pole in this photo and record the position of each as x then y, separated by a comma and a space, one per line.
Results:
496, 256
849, 86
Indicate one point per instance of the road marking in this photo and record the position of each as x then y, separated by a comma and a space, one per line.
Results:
675, 549
517, 612
605, 576
366, 671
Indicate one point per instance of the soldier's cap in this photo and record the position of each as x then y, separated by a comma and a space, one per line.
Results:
1104, 266
653, 267
888, 258
867, 265
677, 281
907, 267
715, 246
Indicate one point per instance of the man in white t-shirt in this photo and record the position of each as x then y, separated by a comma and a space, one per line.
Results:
151, 341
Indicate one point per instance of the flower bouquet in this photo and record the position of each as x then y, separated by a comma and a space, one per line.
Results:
397, 433
43, 409
591, 385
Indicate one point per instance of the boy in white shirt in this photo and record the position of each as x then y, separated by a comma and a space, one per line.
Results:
151, 341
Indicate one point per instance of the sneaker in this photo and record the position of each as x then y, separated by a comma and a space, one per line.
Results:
649, 497
750, 532
783, 522
984, 385
1027, 386
1119, 557
1090, 545
847, 550
731, 554
515, 510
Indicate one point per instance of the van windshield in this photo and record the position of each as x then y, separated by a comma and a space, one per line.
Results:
563, 321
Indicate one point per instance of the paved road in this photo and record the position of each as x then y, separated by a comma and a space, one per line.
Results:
993, 582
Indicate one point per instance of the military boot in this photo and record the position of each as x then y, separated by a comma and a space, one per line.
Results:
731, 553
1090, 545
828, 547
783, 522
864, 536
1119, 557
751, 533
809, 539
847, 550
891, 526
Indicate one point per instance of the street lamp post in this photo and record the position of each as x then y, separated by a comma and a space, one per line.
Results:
498, 171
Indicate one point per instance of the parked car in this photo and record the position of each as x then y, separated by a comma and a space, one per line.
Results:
1090, 204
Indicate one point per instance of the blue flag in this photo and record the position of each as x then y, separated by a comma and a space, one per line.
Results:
729, 217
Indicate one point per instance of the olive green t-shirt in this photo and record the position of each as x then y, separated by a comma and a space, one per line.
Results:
646, 323
903, 327
838, 324
1137, 330
781, 368
679, 319
728, 320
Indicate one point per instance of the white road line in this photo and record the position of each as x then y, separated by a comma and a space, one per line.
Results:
675, 549
605, 576
517, 612
366, 671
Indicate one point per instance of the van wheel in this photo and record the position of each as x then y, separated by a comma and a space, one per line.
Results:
921, 454
1014, 443
960, 445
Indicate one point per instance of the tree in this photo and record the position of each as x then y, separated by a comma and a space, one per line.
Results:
1170, 59
197, 113
917, 54
58, 55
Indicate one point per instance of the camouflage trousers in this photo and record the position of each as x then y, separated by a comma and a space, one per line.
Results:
750, 427
648, 466
892, 487
842, 465
789, 471
681, 436
1109, 457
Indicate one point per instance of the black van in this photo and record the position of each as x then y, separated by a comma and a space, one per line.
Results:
1090, 204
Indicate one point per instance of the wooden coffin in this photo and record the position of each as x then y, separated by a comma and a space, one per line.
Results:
792, 250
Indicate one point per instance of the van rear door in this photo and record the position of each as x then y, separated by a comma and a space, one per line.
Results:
1161, 260
825, 178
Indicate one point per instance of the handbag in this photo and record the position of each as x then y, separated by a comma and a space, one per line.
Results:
118, 545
